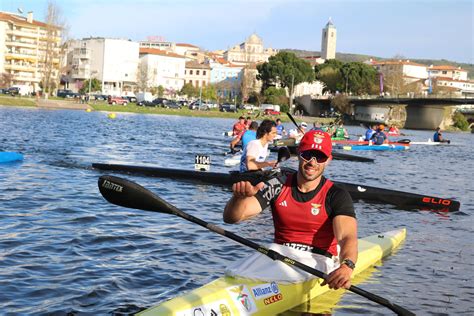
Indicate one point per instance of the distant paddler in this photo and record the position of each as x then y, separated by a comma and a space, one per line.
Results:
256, 151
237, 131
280, 128
341, 132
298, 133
438, 137
379, 137
245, 137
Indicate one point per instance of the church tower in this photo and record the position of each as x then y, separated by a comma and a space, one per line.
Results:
328, 41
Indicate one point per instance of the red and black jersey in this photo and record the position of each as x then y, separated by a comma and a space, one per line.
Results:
305, 218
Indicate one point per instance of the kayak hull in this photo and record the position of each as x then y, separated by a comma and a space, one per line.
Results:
10, 156
240, 296
377, 147
401, 199
335, 155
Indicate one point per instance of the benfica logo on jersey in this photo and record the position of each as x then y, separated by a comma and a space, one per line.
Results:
315, 208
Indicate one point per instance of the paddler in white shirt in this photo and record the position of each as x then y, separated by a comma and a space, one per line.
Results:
255, 153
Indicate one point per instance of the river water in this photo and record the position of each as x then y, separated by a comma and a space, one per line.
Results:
64, 249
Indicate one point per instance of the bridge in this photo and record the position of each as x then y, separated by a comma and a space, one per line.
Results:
421, 112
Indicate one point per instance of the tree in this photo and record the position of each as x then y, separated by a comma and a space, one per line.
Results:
286, 70
143, 77
6, 80
50, 58
160, 91
189, 90
274, 95
96, 85
354, 77
209, 92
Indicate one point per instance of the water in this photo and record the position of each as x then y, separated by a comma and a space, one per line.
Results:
64, 249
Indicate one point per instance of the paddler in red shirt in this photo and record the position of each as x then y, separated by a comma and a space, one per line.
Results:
311, 215
239, 127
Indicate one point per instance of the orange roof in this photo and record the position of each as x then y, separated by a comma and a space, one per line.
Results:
20, 20
154, 51
186, 45
447, 67
195, 65
398, 62
453, 80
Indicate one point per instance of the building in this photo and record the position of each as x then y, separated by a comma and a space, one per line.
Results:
31, 49
163, 68
197, 74
250, 51
409, 71
447, 71
114, 62
328, 41
226, 76
458, 87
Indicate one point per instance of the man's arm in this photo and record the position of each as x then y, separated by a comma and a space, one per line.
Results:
252, 164
345, 231
243, 204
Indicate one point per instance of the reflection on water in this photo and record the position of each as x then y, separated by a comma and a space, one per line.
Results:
64, 249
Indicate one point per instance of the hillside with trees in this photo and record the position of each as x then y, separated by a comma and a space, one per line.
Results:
346, 57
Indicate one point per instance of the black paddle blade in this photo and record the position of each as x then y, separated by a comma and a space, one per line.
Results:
126, 193
283, 154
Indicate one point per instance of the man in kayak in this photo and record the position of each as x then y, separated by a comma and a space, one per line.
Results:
370, 132
341, 132
256, 151
250, 134
379, 137
310, 213
298, 133
438, 137
239, 127
280, 128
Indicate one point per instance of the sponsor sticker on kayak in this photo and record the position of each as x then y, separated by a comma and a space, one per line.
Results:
243, 299
217, 308
265, 290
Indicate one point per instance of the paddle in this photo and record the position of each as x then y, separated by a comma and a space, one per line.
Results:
129, 194
283, 154
294, 122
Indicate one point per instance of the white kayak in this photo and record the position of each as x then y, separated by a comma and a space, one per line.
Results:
233, 161
429, 143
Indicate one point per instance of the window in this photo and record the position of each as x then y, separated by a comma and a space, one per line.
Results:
203, 72
197, 72
444, 72
190, 81
185, 71
190, 72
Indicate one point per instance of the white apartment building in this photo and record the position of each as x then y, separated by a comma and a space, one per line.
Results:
24, 49
164, 68
112, 61
447, 71
410, 71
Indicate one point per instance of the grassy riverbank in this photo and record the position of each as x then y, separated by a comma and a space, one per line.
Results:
132, 108
17, 101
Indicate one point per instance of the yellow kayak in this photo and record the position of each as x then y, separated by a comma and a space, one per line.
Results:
228, 296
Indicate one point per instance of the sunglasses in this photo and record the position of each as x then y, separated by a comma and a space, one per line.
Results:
309, 155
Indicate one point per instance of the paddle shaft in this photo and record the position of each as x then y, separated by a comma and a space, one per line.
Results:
129, 194
294, 122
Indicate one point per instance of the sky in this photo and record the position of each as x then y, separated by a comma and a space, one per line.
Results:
416, 29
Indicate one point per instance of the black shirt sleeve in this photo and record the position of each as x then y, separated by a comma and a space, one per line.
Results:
339, 202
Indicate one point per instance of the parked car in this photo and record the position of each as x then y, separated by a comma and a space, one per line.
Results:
228, 107
183, 102
146, 103
250, 107
271, 112
196, 105
13, 91
117, 100
68, 94
170, 104
130, 99
99, 97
